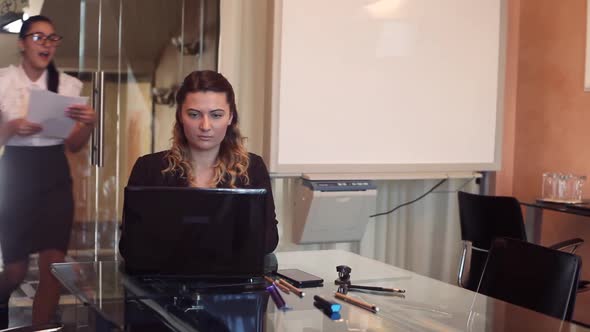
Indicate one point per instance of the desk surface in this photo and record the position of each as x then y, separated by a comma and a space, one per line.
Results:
577, 209
428, 304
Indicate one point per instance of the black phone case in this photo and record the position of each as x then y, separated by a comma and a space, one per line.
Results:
302, 283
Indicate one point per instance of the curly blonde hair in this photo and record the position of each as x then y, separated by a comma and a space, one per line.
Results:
233, 160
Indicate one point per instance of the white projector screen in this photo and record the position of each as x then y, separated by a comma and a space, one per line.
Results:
386, 85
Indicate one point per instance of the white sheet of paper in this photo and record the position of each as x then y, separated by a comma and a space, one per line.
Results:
48, 109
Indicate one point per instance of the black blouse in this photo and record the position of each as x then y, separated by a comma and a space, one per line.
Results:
147, 171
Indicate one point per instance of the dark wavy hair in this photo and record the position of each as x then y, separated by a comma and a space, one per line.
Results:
232, 160
52, 73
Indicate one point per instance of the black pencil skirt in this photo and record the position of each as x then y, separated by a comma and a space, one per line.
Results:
36, 201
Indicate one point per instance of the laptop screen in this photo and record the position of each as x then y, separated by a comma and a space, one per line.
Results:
194, 232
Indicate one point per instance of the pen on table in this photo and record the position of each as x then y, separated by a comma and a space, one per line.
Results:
367, 306
292, 288
276, 297
278, 284
378, 289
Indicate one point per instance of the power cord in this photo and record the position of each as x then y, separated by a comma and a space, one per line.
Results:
412, 201
454, 190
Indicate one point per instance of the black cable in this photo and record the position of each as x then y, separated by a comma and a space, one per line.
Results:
412, 201
454, 190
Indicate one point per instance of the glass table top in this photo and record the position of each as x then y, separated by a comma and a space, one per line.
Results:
183, 305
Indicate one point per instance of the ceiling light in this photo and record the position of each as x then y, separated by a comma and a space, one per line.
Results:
14, 26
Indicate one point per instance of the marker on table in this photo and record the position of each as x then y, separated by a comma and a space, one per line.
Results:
359, 303
276, 297
326, 305
331, 315
278, 284
292, 288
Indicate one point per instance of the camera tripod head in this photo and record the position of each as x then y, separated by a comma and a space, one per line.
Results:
343, 275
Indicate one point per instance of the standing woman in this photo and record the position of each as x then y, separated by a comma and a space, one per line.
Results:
36, 201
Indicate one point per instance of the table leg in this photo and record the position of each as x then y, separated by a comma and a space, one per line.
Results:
533, 223
103, 325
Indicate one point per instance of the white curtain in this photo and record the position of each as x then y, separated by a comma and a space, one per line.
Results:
423, 237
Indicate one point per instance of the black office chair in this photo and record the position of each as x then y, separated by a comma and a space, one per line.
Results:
532, 276
484, 218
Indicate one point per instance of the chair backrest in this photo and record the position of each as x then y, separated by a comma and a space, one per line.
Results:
484, 218
532, 276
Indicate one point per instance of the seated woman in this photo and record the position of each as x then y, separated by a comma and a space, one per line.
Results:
207, 148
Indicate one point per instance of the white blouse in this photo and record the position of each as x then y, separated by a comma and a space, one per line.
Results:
15, 89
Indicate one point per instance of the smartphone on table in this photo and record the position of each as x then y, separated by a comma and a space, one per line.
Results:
300, 279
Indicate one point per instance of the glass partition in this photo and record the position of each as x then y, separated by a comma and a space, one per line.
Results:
131, 56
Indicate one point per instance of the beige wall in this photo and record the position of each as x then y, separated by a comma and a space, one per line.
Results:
243, 59
504, 179
547, 112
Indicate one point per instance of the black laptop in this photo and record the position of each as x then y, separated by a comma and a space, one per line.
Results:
217, 310
190, 232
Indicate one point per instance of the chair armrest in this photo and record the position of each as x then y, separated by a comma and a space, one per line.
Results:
462, 265
573, 243
583, 286
36, 328
580, 323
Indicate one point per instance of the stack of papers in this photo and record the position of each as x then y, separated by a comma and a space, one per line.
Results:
48, 109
